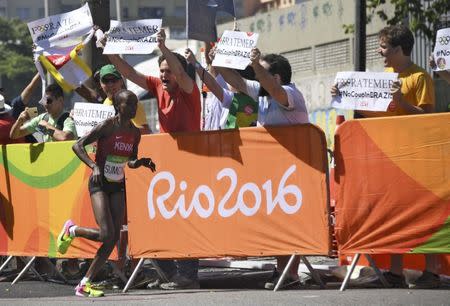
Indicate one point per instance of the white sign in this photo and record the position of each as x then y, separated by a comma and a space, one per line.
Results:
61, 30
364, 90
132, 37
442, 50
89, 115
233, 49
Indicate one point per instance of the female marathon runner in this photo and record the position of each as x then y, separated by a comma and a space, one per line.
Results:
117, 145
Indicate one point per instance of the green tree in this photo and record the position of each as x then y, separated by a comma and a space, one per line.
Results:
423, 16
16, 56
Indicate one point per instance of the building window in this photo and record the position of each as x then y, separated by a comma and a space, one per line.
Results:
151, 12
180, 11
332, 54
372, 45
300, 60
41, 12
23, 13
2, 11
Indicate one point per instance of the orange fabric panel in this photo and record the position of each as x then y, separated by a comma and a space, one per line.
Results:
393, 190
35, 202
257, 192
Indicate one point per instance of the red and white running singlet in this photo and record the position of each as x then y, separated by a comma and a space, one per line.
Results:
113, 153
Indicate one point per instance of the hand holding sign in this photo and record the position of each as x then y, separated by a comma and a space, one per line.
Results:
189, 56
442, 50
255, 56
161, 38
373, 91
396, 91
212, 53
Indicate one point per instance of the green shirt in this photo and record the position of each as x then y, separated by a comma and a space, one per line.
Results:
69, 125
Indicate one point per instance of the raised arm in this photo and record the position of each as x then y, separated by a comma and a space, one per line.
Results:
128, 71
27, 91
268, 81
17, 130
204, 75
232, 77
87, 93
209, 56
183, 79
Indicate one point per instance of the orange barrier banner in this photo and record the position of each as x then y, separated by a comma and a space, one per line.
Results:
393, 185
41, 186
247, 192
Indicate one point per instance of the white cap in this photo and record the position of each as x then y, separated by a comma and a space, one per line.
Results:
4, 108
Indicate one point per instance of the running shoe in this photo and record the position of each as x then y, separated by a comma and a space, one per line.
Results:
86, 290
64, 239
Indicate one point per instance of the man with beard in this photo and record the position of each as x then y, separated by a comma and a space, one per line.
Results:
177, 95
179, 109
280, 103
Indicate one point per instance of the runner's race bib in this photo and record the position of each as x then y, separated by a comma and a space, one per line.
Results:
114, 167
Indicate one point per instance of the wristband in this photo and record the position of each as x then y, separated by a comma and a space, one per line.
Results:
50, 132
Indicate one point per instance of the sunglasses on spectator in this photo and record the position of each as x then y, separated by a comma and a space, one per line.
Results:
109, 80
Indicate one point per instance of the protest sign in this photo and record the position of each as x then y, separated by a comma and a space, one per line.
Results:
364, 90
132, 37
442, 50
89, 115
63, 30
233, 49
59, 40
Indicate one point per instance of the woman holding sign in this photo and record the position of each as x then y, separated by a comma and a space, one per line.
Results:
117, 145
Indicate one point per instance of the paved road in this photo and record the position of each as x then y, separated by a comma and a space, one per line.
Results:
51, 294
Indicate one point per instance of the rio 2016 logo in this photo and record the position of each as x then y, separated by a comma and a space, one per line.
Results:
206, 210
444, 40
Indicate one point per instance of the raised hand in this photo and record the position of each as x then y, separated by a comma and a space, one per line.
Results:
190, 57
161, 38
335, 91
212, 54
255, 56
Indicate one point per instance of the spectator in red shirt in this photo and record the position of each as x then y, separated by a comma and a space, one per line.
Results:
6, 123
177, 94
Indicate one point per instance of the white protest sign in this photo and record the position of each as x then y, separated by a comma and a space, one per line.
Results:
132, 37
61, 30
442, 50
364, 90
89, 115
233, 49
